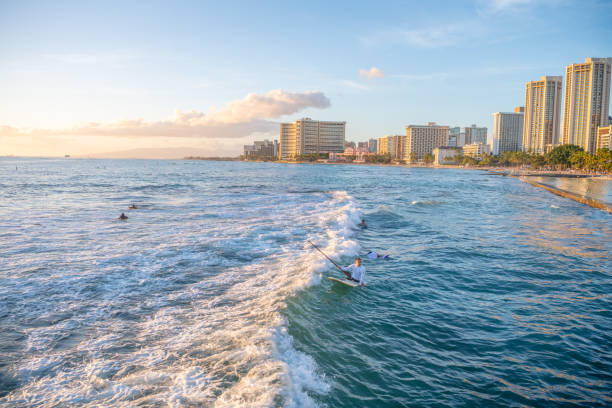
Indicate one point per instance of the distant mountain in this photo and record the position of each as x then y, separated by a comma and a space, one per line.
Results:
152, 153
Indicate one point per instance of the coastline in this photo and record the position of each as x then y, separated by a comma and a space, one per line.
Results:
499, 170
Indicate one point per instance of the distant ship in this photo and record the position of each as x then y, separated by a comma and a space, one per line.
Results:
67, 155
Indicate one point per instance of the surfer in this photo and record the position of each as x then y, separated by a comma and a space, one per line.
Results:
376, 255
363, 224
357, 271
133, 207
354, 272
123, 216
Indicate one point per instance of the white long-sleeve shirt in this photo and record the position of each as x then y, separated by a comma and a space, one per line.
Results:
372, 255
357, 272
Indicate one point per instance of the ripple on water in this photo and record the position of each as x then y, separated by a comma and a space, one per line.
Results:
209, 295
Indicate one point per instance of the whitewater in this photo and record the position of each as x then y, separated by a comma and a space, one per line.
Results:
495, 293
180, 304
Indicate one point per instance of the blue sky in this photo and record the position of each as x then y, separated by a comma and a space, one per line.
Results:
65, 64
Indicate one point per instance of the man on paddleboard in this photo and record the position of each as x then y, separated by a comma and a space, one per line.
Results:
357, 271
376, 255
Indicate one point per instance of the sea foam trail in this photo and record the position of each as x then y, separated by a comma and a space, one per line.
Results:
220, 341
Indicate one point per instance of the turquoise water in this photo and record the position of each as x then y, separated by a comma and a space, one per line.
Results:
496, 292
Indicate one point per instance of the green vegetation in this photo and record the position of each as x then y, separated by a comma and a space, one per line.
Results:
378, 158
213, 158
311, 157
560, 158
259, 157
464, 160
428, 158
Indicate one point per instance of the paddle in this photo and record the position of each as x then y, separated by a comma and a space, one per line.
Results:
348, 275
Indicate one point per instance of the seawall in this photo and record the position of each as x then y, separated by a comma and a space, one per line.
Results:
576, 197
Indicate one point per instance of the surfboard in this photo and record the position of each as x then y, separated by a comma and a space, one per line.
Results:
344, 281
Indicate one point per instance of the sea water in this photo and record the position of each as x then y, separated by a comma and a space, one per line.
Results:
496, 293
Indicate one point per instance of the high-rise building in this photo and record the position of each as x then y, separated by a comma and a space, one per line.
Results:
261, 150
392, 145
508, 131
456, 137
423, 139
603, 137
397, 151
474, 134
587, 102
382, 145
307, 136
372, 145
476, 150
542, 114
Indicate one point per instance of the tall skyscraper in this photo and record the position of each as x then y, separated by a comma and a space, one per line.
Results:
392, 145
262, 150
454, 137
474, 134
542, 114
604, 134
587, 101
372, 145
423, 139
382, 145
508, 131
307, 136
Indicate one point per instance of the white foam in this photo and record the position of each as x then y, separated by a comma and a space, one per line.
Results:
221, 341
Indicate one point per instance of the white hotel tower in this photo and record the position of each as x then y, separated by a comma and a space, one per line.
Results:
307, 136
508, 131
587, 102
541, 128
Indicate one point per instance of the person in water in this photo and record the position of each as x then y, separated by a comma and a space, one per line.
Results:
363, 224
123, 216
133, 207
356, 272
376, 255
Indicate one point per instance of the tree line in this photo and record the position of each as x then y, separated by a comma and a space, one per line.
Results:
562, 157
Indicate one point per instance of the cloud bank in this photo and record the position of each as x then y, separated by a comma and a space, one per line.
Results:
237, 119
371, 73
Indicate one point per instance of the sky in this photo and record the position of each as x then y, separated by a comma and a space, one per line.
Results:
173, 78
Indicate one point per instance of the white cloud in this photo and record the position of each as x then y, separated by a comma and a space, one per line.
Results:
237, 119
371, 73
489, 7
270, 105
501, 5
433, 36
354, 85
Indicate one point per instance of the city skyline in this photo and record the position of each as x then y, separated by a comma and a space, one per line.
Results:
84, 88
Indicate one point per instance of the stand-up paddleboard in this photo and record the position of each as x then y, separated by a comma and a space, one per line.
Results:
345, 281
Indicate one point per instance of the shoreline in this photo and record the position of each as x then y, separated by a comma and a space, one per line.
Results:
497, 170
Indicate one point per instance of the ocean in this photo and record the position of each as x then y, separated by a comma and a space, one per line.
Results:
496, 293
